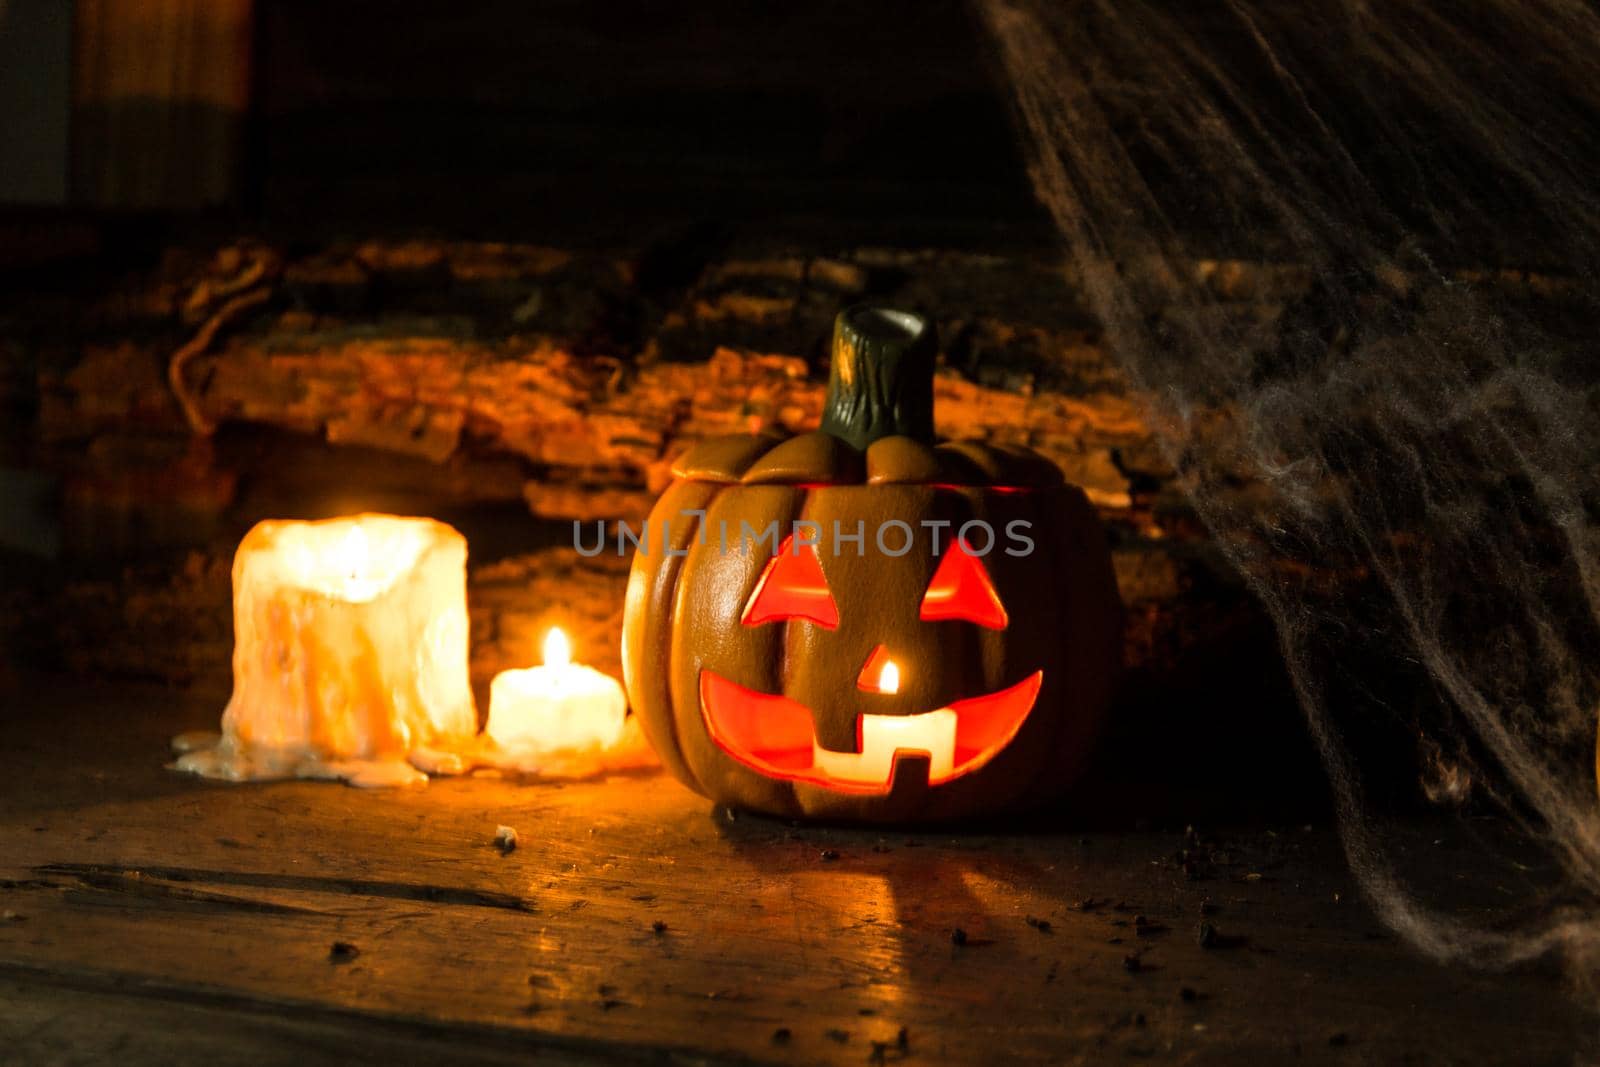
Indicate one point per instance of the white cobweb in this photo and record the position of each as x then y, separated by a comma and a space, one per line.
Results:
1407, 405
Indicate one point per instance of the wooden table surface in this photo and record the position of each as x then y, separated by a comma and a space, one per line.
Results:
158, 919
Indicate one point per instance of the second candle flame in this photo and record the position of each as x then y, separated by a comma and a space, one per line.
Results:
557, 649
889, 678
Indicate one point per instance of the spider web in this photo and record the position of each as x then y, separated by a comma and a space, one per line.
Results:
1398, 398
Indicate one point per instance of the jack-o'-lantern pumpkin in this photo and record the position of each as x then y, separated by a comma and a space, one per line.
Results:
863, 624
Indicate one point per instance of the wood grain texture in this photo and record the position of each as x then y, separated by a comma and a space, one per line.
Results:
160, 917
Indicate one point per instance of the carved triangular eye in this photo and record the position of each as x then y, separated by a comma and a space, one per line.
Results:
792, 587
961, 589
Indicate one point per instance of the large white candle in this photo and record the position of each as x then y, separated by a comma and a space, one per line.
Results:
559, 706
350, 651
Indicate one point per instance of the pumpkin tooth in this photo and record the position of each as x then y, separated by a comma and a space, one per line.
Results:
884, 739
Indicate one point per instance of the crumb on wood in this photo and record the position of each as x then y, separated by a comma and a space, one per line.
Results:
781, 1036
958, 936
840, 1036
11, 916
342, 952
1041, 925
505, 839
659, 927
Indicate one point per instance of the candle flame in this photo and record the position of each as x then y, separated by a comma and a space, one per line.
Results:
889, 677
557, 649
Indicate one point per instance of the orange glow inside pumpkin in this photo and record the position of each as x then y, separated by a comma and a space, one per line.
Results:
961, 589
792, 587
776, 736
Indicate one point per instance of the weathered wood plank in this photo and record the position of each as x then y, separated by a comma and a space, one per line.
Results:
227, 901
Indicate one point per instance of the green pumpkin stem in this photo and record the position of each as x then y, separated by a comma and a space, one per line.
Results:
881, 381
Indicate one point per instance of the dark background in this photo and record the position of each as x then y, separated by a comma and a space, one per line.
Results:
569, 122
608, 118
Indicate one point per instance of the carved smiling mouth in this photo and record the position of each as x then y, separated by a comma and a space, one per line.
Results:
776, 737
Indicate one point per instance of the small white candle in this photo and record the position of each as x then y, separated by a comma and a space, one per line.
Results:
556, 707
932, 732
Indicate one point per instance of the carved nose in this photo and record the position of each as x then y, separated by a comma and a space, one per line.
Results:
879, 674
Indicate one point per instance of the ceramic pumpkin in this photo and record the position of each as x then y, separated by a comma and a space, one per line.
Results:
863, 624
